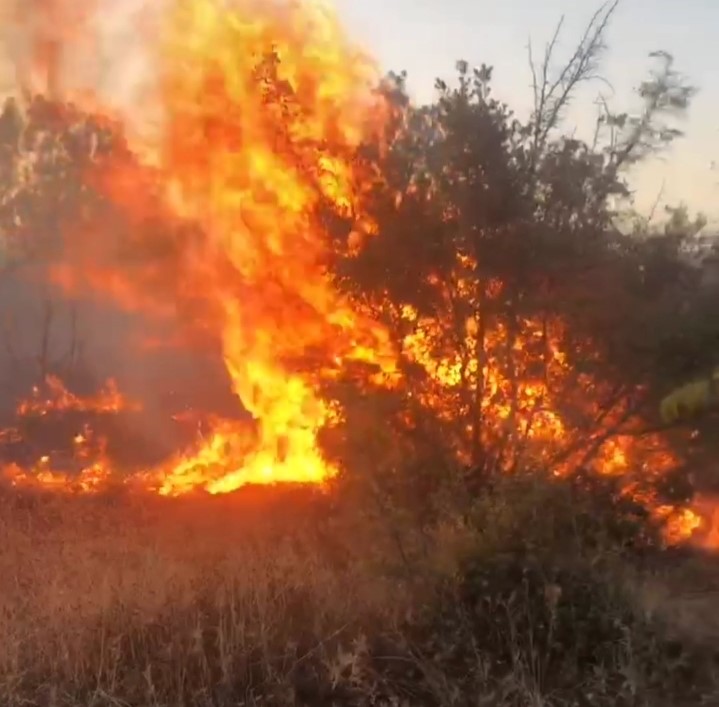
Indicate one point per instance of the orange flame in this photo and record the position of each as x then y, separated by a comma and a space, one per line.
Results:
89, 473
59, 399
522, 411
263, 111
262, 108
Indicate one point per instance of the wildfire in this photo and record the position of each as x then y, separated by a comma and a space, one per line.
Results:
262, 108
263, 113
88, 468
530, 397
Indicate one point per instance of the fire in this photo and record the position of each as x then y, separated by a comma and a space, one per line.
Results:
59, 399
530, 395
263, 112
680, 523
89, 471
262, 108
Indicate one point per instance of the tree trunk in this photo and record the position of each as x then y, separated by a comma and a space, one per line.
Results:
480, 355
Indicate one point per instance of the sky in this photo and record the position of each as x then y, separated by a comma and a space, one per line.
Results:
427, 37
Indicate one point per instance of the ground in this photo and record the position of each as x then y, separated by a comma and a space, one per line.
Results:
285, 597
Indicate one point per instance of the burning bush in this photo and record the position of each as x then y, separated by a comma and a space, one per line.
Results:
425, 317
272, 167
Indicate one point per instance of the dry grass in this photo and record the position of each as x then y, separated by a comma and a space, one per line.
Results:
274, 598
158, 602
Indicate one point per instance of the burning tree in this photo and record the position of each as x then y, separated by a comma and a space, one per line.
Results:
224, 238
528, 319
299, 222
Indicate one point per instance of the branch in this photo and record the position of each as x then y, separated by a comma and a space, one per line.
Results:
654, 429
666, 92
596, 441
533, 69
655, 205
580, 67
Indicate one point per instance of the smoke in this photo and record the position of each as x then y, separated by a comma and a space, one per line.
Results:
47, 40
86, 340
55, 319
93, 52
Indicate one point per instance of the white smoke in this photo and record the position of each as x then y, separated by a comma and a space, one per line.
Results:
99, 51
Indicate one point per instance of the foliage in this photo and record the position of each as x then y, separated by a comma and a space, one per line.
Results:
45, 153
689, 400
514, 274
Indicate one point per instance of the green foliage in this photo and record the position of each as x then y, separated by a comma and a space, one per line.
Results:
688, 400
513, 632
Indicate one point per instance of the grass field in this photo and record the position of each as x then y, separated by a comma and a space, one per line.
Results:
157, 602
280, 597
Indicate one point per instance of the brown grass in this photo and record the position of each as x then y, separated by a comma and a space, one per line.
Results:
161, 601
274, 597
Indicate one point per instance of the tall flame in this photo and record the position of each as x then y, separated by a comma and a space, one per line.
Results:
262, 109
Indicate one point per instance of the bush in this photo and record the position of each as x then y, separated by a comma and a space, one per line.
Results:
511, 631
546, 606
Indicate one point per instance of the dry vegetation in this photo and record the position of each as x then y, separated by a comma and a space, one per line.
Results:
158, 603
283, 597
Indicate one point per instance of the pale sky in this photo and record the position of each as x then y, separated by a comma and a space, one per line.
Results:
426, 37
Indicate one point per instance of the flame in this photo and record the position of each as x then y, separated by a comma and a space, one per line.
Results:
262, 108
264, 111
680, 524
90, 472
527, 408
59, 399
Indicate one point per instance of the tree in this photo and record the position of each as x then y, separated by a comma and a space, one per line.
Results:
501, 265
